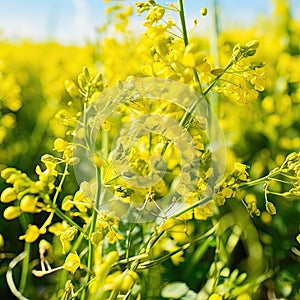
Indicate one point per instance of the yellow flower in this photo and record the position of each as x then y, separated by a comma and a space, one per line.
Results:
72, 262
215, 297
65, 232
60, 145
32, 233
298, 238
203, 212
113, 236
259, 80
246, 95
155, 14
243, 297
67, 236
177, 258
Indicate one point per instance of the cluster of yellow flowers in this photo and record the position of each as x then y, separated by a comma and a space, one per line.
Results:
104, 254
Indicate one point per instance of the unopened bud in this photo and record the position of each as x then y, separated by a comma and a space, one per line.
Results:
203, 11
8, 195
71, 88
11, 212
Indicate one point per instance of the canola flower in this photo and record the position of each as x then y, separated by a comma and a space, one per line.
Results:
105, 257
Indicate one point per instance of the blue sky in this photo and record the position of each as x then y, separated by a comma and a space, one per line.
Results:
74, 21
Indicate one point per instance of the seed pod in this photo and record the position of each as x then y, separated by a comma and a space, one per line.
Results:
117, 287
129, 280
111, 257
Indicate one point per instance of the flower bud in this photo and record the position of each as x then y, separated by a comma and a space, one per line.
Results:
155, 14
60, 145
98, 82
292, 156
12, 212
97, 237
82, 81
252, 44
8, 195
219, 200
86, 73
6, 173
73, 161
270, 208
28, 204
71, 88
203, 11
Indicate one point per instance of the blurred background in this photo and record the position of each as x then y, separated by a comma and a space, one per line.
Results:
74, 21
43, 43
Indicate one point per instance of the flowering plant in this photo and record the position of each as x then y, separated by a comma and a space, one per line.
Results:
145, 150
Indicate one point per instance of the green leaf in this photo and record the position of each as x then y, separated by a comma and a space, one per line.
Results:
175, 290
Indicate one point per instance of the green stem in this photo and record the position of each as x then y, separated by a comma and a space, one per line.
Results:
150, 264
25, 268
216, 31
196, 204
182, 20
90, 261
64, 217
59, 188
270, 176
25, 220
186, 39
214, 47
213, 83
187, 114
